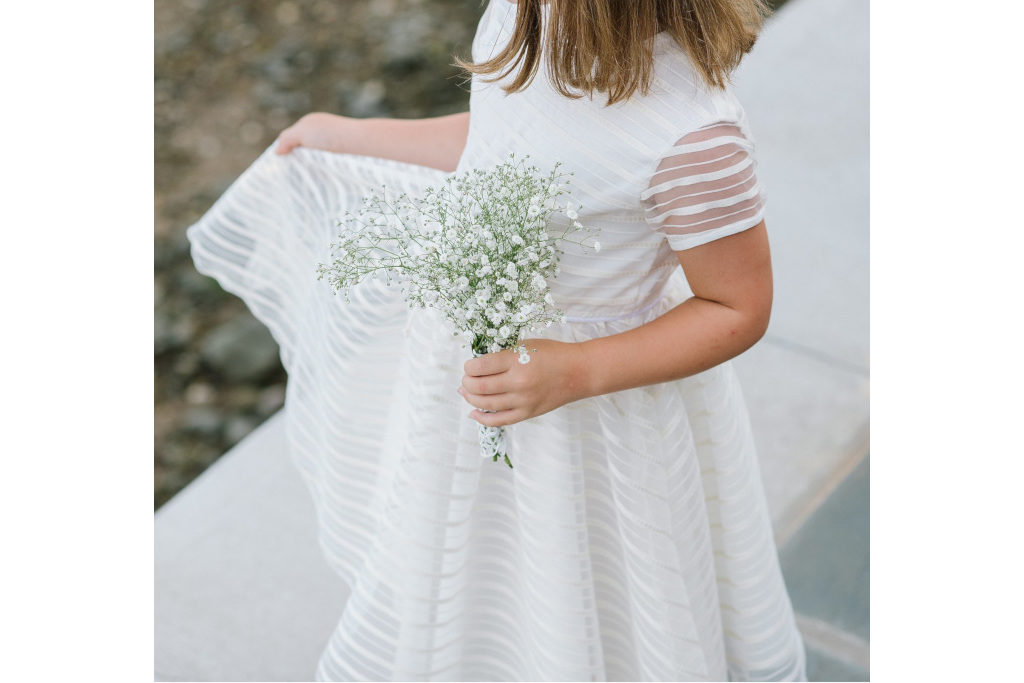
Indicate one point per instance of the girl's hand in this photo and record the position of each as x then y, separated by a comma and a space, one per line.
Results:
317, 130
555, 375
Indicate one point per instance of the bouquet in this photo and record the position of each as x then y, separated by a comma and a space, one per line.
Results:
477, 249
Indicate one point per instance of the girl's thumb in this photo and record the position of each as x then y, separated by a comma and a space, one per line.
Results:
285, 144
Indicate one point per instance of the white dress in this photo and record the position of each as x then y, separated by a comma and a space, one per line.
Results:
632, 540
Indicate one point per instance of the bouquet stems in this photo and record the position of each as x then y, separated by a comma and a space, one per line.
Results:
492, 439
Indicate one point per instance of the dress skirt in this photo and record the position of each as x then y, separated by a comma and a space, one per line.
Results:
631, 541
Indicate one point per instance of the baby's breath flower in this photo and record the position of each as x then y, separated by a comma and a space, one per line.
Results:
478, 250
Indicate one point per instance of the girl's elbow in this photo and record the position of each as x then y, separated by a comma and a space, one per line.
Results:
758, 321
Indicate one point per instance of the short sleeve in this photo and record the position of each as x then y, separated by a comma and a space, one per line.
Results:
705, 187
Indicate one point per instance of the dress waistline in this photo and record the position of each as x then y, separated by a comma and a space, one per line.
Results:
672, 287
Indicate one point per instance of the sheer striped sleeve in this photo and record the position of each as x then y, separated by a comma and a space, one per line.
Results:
705, 187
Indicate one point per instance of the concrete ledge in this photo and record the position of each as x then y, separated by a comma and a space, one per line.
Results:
242, 592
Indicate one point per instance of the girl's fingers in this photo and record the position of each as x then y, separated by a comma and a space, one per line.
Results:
286, 142
488, 364
486, 385
493, 402
499, 419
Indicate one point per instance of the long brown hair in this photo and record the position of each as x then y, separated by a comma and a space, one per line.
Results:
607, 45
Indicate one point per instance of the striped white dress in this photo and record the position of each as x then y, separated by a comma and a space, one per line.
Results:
632, 541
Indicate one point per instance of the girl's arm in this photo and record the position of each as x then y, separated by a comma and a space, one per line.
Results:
436, 142
731, 279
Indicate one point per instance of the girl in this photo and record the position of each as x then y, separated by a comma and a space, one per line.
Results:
632, 541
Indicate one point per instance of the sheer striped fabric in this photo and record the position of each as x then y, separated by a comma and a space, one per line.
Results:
705, 188
633, 539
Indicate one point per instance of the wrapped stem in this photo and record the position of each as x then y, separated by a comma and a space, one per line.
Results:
492, 439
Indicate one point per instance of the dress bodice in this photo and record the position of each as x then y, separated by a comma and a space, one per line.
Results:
613, 152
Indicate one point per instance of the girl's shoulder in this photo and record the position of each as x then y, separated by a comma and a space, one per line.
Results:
677, 85
677, 103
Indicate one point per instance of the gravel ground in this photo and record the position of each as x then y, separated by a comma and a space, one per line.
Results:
229, 76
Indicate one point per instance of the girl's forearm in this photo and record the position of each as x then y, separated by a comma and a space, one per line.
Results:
696, 335
436, 142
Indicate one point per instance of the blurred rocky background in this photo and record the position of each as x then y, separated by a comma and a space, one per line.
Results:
229, 76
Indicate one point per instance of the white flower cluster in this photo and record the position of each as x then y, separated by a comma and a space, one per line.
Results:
478, 249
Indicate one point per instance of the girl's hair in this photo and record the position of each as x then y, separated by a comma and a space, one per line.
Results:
607, 45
